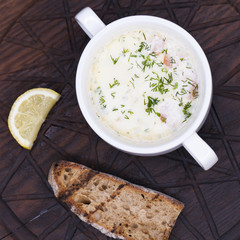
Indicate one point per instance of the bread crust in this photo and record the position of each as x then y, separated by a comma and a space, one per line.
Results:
53, 179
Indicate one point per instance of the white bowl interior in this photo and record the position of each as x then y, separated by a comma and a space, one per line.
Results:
114, 30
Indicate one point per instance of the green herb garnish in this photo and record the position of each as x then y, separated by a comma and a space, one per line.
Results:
151, 110
175, 85
114, 59
152, 101
195, 91
180, 102
99, 90
132, 55
182, 92
172, 60
136, 76
157, 84
186, 112
164, 51
144, 36
125, 51
142, 46
132, 83
130, 112
164, 70
148, 62
169, 79
102, 101
116, 83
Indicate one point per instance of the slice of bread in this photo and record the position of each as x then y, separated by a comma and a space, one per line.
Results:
116, 207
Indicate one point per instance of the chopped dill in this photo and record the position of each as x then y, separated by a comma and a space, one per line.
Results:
115, 60
136, 76
195, 91
101, 100
125, 51
132, 84
172, 60
142, 46
186, 112
144, 36
175, 85
116, 83
164, 51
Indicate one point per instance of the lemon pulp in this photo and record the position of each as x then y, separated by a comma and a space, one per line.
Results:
28, 113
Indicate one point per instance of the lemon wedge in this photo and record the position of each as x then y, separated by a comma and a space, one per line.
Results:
28, 113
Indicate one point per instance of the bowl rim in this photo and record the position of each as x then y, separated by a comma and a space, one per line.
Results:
192, 128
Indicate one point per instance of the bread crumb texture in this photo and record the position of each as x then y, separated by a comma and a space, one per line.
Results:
114, 206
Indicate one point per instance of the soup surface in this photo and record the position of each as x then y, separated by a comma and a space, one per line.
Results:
144, 85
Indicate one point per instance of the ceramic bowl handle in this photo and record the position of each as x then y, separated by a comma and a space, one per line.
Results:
89, 22
200, 151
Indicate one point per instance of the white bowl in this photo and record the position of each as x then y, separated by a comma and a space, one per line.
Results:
187, 136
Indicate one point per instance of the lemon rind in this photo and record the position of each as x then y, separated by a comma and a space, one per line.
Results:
14, 131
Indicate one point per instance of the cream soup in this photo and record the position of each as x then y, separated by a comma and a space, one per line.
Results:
144, 85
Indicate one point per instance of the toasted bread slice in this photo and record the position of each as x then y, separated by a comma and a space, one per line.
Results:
116, 207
